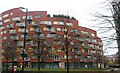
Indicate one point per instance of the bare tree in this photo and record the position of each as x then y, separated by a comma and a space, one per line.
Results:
109, 23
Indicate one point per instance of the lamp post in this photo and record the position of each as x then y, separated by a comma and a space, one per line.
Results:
23, 51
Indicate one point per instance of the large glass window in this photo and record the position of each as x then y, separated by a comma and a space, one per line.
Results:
10, 26
3, 32
35, 23
15, 18
6, 15
37, 16
20, 43
60, 29
50, 35
11, 13
14, 37
56, 57
33, 29
42, 36
52, 29
92, 34
46, 22
45, 29
20, 24
58, 23
23, 17
7, 20
69, 24
22, 36
12, 31
62, 56
28, 17
22, 30
4, 38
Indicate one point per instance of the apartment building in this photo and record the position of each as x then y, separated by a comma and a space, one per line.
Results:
47, 39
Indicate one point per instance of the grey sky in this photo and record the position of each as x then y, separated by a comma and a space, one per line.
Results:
80, 9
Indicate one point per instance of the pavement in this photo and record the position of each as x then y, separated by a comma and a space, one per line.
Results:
113, 69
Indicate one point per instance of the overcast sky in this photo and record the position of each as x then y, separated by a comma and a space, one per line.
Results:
80, 9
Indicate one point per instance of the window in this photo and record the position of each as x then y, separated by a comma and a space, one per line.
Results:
22, 30
69, 57
55, 57
10, 26
7, 20
20, 43
20, 24
22, 36
83, 50
46, 22
93, 40
42, 36
62, 56
4, 38
49, 22
16, 18
60, 29
50, 35
28, 17
83, 32
35, 22
6, 15
62, 49
49, 29
45, 29
12, 31
61, 23
69, 24
11, 13
37, 16
34, 56
23, 17
31, 29
14, 37
28, 42
41, 22
72, 30
4, 32
93, 35
52, 29
58, 23
19, 30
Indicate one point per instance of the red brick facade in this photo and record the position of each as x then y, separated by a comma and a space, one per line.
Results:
84, 47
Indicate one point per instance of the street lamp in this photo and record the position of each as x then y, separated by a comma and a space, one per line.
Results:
23, 51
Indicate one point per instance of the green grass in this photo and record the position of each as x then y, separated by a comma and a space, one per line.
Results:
81, 69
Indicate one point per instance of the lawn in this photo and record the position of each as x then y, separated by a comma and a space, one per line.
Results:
59, 69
